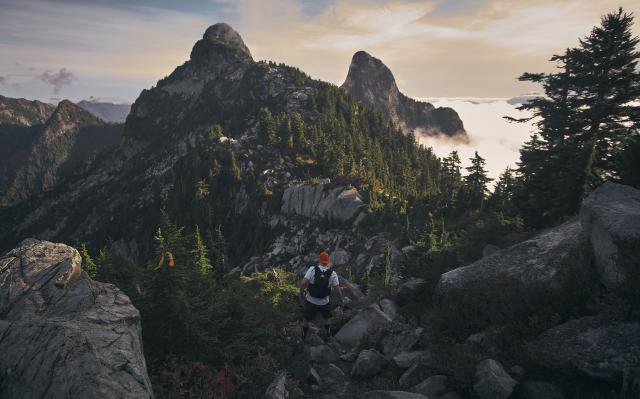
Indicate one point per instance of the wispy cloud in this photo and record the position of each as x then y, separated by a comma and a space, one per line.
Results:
58, 79
434, 48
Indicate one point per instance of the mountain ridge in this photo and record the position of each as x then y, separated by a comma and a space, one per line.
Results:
372, 82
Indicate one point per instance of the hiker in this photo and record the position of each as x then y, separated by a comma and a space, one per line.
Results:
315, 290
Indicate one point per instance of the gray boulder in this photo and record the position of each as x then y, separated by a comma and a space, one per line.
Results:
407, 359
322, 354
610, 217
541, 390
81, 337
277, 389
330, 378
337, 204
414, 374
397, 342
393, 395
592, 345
551, 268
451, 395
492, 381
364, 322
389, 308
433, 387
410, 290
369, 363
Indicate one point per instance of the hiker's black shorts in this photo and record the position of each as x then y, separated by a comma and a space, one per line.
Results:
311, 310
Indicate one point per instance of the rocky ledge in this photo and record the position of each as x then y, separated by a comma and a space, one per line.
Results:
63, 335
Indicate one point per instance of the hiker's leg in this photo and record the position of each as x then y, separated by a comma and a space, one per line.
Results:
325, 310
309, 314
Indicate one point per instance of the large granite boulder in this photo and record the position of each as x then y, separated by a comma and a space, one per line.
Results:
549, 270
610, 217
492, 381
329, 378
369, 363
364, 322
592, 345
395, 343
338, 204
62, 334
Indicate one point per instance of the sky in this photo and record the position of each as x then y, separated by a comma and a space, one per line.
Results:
111, 50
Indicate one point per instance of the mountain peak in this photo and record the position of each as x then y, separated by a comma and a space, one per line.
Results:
221, 35
373, 83
366, 69
67, 112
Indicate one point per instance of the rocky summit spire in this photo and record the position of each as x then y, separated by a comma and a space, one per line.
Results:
221, 38
368, 78
370, 81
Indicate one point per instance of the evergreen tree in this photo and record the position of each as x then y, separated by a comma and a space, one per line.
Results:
88, 265
585, 121
451, 178
200, 253
266, 126
503, 194
285, 134
298, 129
475, 184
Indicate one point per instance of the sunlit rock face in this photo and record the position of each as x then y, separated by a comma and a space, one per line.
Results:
370, 81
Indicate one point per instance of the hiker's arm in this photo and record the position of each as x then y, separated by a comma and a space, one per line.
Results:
303, 287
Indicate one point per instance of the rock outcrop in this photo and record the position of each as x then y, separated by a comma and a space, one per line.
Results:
610, 217
338, 204
595, 346
370, 81
553, 267
63, 335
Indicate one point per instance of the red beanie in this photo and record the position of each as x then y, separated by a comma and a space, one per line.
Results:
324, 258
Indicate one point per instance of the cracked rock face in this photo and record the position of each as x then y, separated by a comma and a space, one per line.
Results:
63, 335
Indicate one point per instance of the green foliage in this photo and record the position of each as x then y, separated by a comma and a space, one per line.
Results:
214, 132
474, 189
88, 265
266, 126
585, 124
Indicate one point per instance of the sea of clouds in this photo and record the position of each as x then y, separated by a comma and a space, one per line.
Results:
496, 139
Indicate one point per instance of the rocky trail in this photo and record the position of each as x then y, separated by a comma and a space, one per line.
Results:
381, 351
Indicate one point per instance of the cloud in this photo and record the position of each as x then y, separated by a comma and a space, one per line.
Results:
3, 80
58, 79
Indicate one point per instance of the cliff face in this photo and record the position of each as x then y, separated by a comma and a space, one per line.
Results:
371, 81
62, 334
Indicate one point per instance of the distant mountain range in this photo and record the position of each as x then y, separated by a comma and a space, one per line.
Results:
41, 144
110, 112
